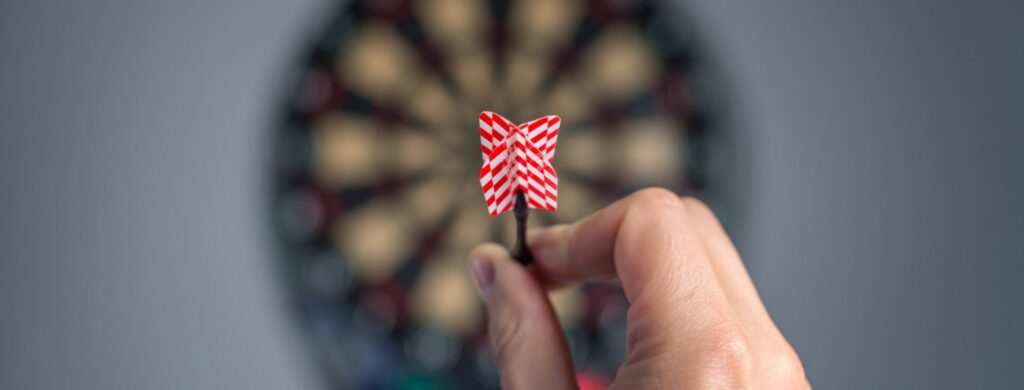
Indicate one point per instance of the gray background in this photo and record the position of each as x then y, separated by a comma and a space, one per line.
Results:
877, 157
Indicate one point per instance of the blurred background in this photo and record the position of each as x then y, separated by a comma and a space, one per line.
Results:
866, 156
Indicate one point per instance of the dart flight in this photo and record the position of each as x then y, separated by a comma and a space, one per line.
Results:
518, 158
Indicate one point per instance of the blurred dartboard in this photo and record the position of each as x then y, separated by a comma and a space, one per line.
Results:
377, 195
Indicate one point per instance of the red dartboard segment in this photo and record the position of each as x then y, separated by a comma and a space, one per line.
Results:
518, 158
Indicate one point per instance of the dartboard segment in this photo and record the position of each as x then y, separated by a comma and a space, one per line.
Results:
381, 149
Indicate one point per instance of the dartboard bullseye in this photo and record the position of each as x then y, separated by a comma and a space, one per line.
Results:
377, 194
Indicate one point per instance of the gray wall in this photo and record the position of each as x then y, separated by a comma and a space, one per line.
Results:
882, 148
877, 154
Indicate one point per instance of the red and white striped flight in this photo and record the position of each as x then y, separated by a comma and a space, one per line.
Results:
518, 158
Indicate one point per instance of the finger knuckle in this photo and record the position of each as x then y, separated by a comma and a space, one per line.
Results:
654, 204
699, 212
729, 359
788, 370
653, 198
697, 206
652, 216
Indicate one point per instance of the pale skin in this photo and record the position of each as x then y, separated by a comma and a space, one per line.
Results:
695, 320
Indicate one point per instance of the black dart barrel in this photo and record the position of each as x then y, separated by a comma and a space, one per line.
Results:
521, 252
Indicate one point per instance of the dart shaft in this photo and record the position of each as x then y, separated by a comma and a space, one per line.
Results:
521, 253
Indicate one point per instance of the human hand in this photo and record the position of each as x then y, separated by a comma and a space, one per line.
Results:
695, 319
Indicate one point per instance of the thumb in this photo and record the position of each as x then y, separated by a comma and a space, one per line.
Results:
527, 341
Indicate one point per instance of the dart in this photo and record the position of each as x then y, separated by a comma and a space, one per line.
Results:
517, 173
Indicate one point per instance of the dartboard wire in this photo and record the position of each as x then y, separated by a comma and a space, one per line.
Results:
455, 147
410, 30
423, 175
567, 57
499, 52
590, 27
428, 242
611, 186
357, 196
358, 104
431, 240
428, 54
499, 96
455, 206
636, 107
448, 218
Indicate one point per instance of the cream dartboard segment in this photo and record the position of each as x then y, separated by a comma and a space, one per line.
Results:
518, 158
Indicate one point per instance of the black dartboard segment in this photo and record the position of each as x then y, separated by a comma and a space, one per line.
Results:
377, 199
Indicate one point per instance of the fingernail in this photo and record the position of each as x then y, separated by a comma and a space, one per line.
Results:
483, 273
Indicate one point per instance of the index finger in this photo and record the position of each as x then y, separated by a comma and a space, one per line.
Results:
644, 240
